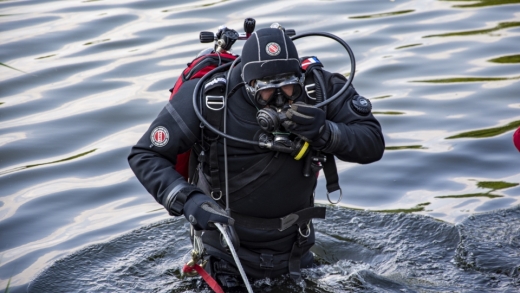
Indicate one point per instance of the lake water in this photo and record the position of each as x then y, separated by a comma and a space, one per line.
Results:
80, 81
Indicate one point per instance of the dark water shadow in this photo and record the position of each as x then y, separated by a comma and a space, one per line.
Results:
356, 251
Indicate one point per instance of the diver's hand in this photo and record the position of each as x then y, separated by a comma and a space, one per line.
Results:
201, 211
308, 122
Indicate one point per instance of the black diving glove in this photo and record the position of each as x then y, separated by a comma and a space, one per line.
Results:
309, 123
201, 211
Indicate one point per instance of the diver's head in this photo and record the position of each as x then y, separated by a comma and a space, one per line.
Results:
271, 69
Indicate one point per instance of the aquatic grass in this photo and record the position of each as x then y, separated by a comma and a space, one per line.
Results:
96, 42
408, 46
466, 79
11, 67
488, 195
7, 287
381, 97
506, 59
380, 15
500, 26
417, 208
405, 147
389, 113
48, 163
481, 3
213, 3
43, 57
496, 185
488, 132
493, 185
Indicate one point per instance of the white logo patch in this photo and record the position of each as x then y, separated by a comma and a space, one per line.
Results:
160, 136
273, 49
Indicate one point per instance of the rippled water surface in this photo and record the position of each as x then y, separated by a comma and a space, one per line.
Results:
80, 81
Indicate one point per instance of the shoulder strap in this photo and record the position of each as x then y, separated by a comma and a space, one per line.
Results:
315, 93
213, 111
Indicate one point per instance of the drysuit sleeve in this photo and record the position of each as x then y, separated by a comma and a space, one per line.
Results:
355, 134
154, 157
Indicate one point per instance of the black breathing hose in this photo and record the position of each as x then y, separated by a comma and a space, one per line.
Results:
352, 63
225, 140
197, 93
321, 92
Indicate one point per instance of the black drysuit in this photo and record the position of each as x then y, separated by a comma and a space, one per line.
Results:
262, 183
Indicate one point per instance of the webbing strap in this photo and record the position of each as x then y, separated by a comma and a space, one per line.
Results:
215, 118
296, 255
297, 218
331, 173
212, 283
214, 171
294, 262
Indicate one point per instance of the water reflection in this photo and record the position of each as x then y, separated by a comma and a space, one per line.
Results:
89, 84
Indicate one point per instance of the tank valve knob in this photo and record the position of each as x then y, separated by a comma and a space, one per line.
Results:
206, 37
249, 26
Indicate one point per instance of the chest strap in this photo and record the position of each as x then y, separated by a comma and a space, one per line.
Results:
299, 218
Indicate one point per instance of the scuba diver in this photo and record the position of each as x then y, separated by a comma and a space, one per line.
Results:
269, 203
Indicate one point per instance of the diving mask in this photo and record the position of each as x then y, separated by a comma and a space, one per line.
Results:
276, 89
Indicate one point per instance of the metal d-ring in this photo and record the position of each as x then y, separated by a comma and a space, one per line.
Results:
339, 199
219, 196
308, 230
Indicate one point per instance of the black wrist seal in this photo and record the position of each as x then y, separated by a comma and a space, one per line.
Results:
334, 139
177, 197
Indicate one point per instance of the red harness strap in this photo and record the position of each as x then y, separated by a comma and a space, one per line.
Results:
211, 282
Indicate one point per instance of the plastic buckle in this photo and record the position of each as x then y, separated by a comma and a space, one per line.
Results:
288, 221
310, 89
215, 103
266, 261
